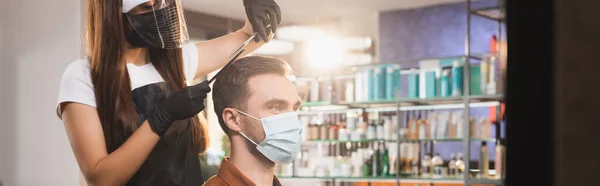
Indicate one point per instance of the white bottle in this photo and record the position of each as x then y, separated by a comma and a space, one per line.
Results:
484, 160
500, 160
485, 72
349, 92
485, 128
460, 165
437, 162
314, 91
433, 124
379, 127
358, 86
458, 121
387, 128
426, 167
473, 127
442, 125
491, 85
452, 165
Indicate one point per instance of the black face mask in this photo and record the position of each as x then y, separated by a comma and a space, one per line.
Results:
134, 39
162, 28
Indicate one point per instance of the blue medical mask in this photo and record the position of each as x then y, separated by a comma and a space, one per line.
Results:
282, 137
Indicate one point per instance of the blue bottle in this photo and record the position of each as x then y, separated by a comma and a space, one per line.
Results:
413, 84
457, 79
370, 83
445, 90
379, 82
392, 81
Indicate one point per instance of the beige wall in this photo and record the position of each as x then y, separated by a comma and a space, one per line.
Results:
39, 39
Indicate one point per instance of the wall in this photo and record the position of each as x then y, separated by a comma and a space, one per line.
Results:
432, 32
576, 91
39, 39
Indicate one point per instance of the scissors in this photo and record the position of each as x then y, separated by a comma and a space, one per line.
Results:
235, 55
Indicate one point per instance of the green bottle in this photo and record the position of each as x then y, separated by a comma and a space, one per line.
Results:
376, 170
386, 162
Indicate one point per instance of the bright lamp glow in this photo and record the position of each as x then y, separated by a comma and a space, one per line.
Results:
297, 33
276, 47
356, 43
324, 52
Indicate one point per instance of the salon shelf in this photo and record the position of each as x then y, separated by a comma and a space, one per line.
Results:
391, 178
493, 13
316, 103
447, 139
377, 179
351, 141
424, 101
478, 56
486, 181
401, 140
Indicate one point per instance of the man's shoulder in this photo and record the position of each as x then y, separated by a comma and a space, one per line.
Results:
215, 181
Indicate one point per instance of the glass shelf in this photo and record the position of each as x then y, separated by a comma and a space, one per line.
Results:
408, 102
447, 139
378, 179
341, 177
316, 103
351, 141
493, 13
486, 181
401, 140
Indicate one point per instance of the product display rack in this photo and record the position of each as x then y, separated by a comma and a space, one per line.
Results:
466, 102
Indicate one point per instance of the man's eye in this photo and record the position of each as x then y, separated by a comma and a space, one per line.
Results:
276, 108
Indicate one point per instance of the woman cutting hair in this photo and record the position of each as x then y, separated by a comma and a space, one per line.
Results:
129, 115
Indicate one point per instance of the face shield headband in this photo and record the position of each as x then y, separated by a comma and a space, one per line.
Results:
156, 23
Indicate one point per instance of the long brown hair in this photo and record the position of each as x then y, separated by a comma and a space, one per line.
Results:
112, 86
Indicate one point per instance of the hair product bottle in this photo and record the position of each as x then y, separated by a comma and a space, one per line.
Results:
452, 165
483, 160
500, 159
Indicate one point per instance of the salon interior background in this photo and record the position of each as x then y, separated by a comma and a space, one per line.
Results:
39, 38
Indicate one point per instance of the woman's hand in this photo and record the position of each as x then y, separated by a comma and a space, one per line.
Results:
264, 16
182, 104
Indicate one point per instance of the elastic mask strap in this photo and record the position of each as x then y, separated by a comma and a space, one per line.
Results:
248, 138
245, 114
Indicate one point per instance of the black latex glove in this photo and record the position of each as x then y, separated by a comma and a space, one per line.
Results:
262, 13
182, 104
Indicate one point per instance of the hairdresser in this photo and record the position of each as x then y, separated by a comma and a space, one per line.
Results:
128, 113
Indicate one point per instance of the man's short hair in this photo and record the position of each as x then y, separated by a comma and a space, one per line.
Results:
231, 86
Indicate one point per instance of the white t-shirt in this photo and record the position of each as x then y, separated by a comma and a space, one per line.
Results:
76, 84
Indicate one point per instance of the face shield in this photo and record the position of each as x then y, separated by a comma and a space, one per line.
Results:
156, 23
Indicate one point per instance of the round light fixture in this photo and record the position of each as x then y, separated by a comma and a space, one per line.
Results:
324, 52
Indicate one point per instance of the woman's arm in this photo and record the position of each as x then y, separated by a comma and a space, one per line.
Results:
214, 54
87, 141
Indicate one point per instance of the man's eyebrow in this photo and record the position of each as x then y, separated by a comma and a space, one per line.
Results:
276, 101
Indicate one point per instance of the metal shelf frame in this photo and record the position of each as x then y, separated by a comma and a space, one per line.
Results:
405, 104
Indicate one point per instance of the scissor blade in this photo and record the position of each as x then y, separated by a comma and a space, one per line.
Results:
243, 45
226, 65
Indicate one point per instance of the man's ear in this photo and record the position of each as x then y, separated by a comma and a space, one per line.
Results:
232, 119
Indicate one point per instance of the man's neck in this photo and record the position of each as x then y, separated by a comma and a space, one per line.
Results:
251, 163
